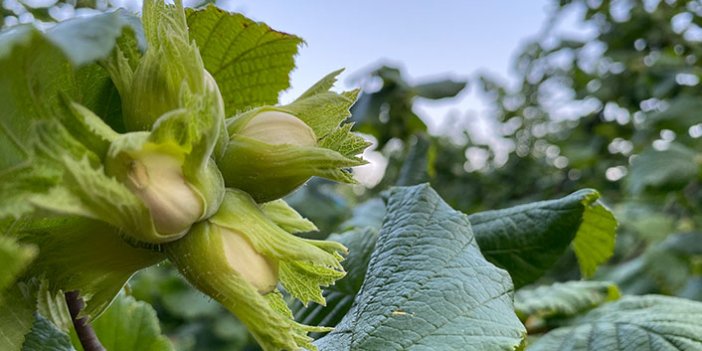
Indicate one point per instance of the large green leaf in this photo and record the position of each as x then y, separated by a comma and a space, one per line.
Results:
428, 286
543, 232
674, 166
631, 324
130, 325
527, 240
563, 299
250, 61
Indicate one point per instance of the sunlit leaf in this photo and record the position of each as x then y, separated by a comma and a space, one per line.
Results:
249, 60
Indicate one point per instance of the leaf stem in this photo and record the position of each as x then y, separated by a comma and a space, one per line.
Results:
85, 332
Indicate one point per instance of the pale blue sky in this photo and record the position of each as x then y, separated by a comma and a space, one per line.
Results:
448, 36
444, 38
440, 38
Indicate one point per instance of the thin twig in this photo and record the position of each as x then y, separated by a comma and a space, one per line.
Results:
85, 332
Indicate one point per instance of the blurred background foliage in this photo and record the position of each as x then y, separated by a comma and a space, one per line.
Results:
619, 111
50, 11
46, 12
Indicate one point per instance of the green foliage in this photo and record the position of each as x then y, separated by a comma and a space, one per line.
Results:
594, 242
340, 296
648, 150
16, 318
188, 317
428, 286
14, 258
30, 56
323, 204
563, 299
675, 166
34, 127
89, 256
245, 289
416, 168
439, 89
262, 162
387, 113
98, 202
632, 323
667, 267
527, 240
249, 60
129, 325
